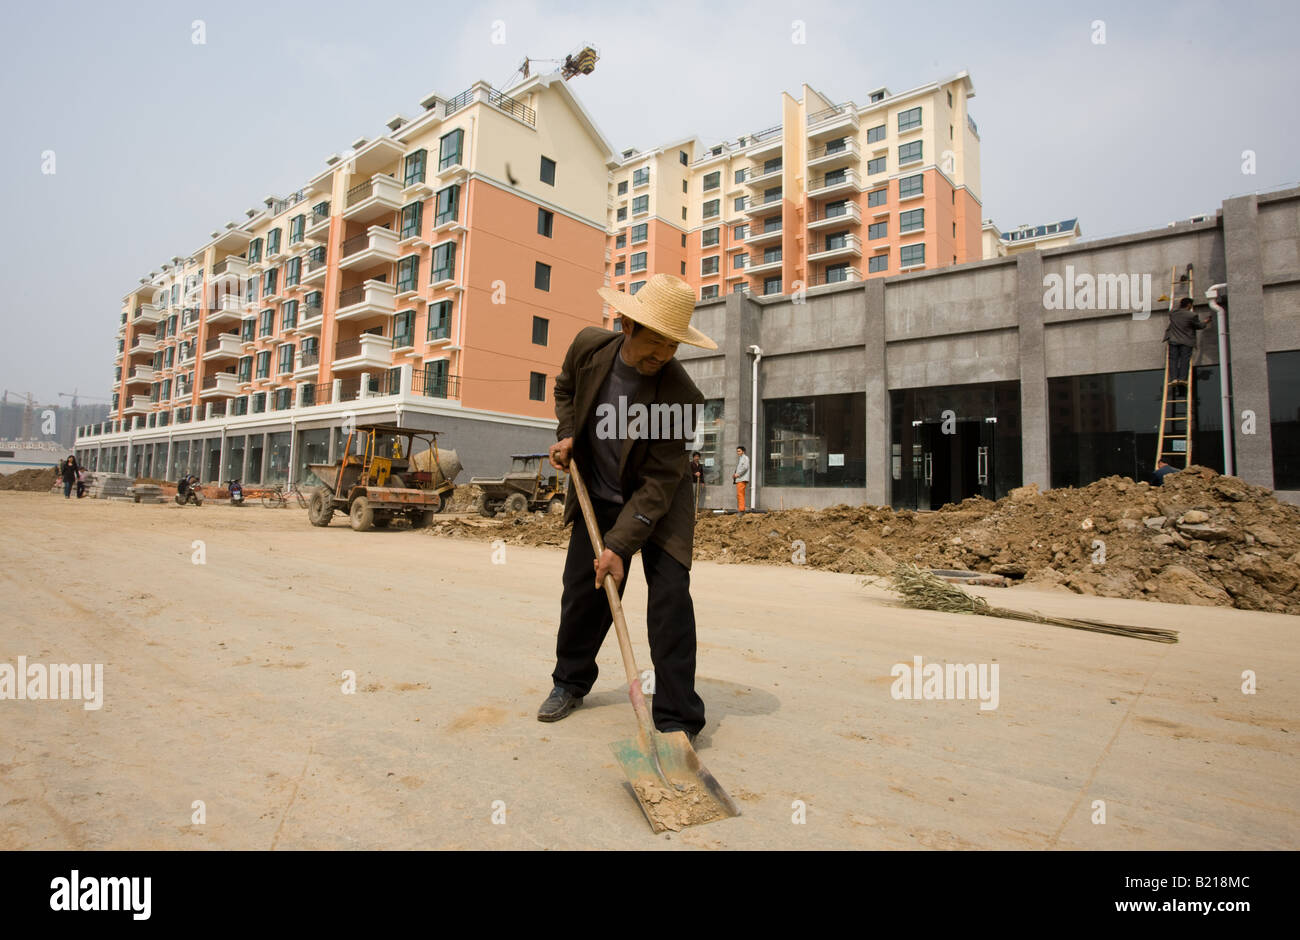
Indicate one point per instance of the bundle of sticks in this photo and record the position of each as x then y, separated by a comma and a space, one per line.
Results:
922, 589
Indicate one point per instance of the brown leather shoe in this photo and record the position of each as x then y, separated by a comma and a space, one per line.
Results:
558, 705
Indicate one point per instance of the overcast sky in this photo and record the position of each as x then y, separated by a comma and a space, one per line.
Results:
159, 140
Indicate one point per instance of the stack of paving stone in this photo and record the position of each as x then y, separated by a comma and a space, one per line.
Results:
108, 485
146, 493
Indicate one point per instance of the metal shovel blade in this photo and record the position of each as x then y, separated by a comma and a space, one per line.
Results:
695, 797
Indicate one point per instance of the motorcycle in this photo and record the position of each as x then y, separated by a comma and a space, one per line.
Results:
189, 491
236, 492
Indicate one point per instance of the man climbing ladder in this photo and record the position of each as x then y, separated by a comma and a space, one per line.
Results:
1175, 440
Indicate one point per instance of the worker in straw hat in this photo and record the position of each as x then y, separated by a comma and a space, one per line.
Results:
639, 483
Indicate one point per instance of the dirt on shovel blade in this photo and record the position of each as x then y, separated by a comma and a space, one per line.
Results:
676, 809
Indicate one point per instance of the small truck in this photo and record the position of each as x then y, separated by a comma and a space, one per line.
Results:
381, 478
530, 486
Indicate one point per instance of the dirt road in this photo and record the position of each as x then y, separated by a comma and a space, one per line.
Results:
223, 683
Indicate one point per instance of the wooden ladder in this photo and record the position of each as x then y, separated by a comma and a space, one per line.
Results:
1175, 438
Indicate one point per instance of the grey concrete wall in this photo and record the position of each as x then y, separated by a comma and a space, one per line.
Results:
1247, 319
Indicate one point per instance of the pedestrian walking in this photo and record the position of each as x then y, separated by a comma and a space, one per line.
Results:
741, 477
69, 475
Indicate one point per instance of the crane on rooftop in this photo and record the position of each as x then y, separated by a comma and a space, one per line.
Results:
579, 62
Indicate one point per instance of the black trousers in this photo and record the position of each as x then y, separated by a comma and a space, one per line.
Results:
585, 619
1180, 360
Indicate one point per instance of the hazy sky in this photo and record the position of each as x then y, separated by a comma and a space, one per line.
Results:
158, 141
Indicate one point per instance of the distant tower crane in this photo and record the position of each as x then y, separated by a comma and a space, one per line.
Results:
579, 62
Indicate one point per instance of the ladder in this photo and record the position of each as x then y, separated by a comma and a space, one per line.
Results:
1174, 443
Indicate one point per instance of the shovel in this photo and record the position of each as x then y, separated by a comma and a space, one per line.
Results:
672, 787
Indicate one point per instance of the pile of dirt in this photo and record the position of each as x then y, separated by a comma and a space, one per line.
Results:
1202, 538
31, 480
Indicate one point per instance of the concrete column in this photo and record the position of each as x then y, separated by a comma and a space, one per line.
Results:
1035, 466
742, 331
1246, 339
877, 394
266, 457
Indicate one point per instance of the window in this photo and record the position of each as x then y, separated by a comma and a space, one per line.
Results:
259, 403
683, 239
444, 262
449, 149
909, 119
247, 330
268, 282
288, 314
771, 255
709, 292
255, 251
435, 378
282, 398
950, 99
837, 273
875, 134
541, 330
308, 398
620, 268
772, 285
621, 240
911, 255
876, 165
313, 304
640, 233
837, 240
712, 180
878, 229
537, 386
641, 177
296, 226
635, 286
284, 362
740, 232
640, 205
414, 171
412, 216
909, 153
738, 261
448, 203
683, 264
292, 272
622, 187
815, 441
545, 222
709, 237
272, 243
548, 171
911, 186
404, 329
741, 203
685, 189
266, 324
439, 321
621, 215
681, 154
711, 209
542, 276
408, 273
877, 263
877, 197
264, 364
911, 221
639, 261
709, 265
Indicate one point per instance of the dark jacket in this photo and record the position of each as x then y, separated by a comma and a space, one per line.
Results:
69, 471
655, 506
1183, 325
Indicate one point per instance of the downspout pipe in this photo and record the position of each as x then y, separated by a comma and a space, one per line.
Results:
1213, 295
757, 353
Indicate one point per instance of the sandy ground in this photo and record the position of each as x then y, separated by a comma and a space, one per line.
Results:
223, 684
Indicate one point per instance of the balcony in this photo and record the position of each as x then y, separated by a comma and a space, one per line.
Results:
139, 405
371, 299
318, 223
140, 374
761, 206
310, 318
765, 143
220, 385
826, 217
431, 383
763, 236
759, 178
840, 181
233, 270
836, 153
835, 275
147, 313
145, 343
841, 119
377, 246
848, 246
223, 346
315, 267
367, 351
187, 354
306, 364
230, 308
763, 267
376, 198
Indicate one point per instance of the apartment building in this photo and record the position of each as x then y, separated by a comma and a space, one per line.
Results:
999, 244
433, 276
834, 192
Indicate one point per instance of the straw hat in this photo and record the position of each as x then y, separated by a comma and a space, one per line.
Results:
665, 305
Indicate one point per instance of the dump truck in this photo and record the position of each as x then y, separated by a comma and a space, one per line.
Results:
531, 485
380, 479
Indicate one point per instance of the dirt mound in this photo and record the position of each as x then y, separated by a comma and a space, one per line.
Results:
31, 480
1201, 539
